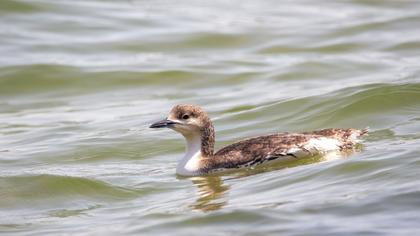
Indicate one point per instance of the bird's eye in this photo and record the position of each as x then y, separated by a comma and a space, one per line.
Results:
185, 117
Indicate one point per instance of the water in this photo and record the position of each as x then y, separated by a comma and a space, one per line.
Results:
80, 81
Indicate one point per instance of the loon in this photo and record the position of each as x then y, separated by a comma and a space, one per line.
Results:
200, 159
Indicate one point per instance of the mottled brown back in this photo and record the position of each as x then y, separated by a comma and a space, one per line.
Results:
264, 148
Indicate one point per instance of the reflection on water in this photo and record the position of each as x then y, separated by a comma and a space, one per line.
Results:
211, 193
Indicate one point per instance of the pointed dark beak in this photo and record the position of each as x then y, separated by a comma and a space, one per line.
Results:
162, 124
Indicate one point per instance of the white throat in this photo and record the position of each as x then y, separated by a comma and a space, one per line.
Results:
190, 163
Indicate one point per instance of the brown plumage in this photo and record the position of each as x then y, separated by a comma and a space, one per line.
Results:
195, 125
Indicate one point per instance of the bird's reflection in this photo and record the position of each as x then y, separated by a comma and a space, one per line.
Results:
211, 192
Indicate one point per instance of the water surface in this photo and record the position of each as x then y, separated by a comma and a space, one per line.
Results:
80, 81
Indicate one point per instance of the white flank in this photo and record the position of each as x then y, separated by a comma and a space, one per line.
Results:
322, 145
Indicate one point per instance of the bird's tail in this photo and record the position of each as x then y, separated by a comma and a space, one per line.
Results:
364, 131
355, 134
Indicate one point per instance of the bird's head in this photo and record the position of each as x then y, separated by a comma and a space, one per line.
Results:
189, 120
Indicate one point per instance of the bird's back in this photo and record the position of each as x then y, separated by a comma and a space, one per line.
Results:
261, 149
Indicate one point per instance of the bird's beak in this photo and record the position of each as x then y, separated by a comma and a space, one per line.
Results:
163, 124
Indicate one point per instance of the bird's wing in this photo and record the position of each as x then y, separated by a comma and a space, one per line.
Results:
259, 150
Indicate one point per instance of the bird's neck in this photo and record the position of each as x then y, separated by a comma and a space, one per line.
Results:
198, 146
207, 139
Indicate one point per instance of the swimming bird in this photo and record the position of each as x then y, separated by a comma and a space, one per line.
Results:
200, 159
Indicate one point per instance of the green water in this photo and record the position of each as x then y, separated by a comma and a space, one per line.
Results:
80, 81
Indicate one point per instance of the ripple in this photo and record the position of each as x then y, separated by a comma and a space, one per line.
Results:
13, 6
45, 189
80, 81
